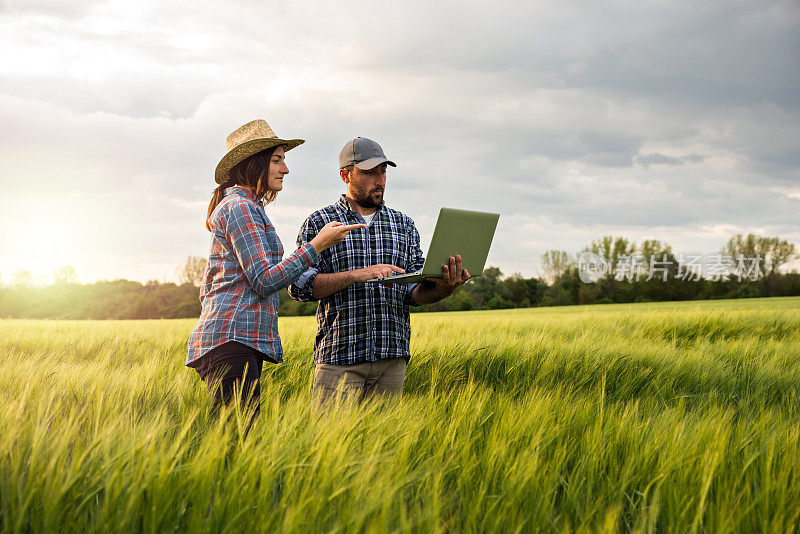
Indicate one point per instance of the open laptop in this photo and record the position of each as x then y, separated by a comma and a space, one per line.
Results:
468, 233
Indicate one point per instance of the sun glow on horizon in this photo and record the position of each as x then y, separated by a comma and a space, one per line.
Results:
39, 249
40, 242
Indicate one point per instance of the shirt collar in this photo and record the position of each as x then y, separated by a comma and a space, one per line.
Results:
242, 192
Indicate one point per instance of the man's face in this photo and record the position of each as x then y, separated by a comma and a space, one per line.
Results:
366, 187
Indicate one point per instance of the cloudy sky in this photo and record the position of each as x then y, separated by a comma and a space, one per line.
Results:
671, 120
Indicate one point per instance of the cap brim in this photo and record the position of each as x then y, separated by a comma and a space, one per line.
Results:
371, 163
241, 152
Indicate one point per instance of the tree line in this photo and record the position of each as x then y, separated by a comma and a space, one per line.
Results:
746, 266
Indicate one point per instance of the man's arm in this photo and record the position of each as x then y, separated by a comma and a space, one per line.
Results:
326, 284
435, 289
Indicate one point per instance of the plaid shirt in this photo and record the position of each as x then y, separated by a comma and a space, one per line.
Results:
363, 322
243, 277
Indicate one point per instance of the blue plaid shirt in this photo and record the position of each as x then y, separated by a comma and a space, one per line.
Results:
245, 271
363, 322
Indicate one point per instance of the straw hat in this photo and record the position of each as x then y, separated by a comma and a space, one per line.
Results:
247, 140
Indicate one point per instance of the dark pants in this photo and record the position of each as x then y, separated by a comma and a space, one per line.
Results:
233, 367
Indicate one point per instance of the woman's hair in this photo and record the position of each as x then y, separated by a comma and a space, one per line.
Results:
251, 172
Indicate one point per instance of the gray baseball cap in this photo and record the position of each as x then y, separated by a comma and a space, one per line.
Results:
363, 153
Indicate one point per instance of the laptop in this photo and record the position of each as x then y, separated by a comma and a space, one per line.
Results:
468, 233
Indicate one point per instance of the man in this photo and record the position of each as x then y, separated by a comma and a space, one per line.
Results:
362, 343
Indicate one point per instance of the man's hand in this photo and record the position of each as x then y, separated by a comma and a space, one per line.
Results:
380, 270
326, 284
453, 275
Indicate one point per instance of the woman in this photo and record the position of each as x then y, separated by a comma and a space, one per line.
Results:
238, 326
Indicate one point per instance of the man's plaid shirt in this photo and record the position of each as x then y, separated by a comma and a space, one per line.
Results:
364, 322
243, 277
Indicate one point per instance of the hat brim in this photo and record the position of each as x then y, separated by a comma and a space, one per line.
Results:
243, 151
371, 163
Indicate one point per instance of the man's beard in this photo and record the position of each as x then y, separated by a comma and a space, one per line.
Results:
365, 200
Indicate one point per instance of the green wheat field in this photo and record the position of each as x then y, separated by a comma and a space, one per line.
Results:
668, 417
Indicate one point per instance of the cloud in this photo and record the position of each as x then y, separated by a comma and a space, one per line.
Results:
656, 158
52, 9
572, 121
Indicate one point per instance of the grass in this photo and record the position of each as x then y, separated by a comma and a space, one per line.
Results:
676, 417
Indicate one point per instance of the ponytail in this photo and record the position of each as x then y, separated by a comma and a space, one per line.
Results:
216, 198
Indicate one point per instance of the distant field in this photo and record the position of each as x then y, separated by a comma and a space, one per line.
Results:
673, 417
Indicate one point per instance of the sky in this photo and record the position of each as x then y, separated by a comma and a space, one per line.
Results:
677, 121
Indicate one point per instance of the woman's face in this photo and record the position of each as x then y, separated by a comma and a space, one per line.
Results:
277, 170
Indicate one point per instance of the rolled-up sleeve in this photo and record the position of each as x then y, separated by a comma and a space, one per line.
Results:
245, 232
303, 288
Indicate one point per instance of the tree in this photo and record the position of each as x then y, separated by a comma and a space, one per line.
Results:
461, 301
565, 290
611, 250
65, 275
525, 292
193, 271
767, 253
661, 256
554, 264
486, 287
22, 279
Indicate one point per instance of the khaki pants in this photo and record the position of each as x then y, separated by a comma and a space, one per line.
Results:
360, 380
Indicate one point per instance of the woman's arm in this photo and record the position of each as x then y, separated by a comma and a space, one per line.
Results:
245, 232
302, 288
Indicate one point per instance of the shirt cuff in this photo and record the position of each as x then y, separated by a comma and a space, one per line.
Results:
305, 277
409, 296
